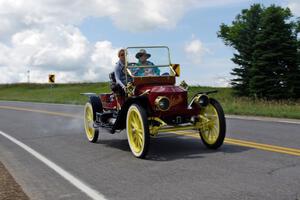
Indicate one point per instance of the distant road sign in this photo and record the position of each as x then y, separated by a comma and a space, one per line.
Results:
51, 78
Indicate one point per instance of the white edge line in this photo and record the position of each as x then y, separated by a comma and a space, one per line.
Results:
93, 194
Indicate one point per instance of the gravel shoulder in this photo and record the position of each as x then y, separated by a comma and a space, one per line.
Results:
9, 188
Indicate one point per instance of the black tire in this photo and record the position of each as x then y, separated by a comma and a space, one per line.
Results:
96, 105
222, 126
146, 133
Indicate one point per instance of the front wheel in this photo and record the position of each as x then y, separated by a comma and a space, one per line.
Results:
213, 130
137, 130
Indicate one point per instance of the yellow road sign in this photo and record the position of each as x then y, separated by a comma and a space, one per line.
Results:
176, 68
51, 78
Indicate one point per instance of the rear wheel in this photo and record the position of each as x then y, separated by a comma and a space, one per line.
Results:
137, 130
213, 130
94, 105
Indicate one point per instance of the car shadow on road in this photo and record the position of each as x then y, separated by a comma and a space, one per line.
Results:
121, 144
175, 147
166, 149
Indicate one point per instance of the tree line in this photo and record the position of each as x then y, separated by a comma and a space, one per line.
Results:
267, 52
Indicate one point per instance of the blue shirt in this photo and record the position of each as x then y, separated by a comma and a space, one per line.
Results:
140, 71
120, 74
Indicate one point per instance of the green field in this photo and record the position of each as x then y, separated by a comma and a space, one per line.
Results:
70, 94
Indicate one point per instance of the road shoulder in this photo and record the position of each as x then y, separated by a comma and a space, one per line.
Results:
9, 188
265, 119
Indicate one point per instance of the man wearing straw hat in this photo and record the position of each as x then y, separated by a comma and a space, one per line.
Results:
142, 56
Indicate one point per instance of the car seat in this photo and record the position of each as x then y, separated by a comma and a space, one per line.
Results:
113, 83
114, 86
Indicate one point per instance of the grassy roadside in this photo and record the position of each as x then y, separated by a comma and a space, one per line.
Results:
59, 93
247, 106
69, 93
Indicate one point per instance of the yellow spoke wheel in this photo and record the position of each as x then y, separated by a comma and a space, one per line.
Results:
137, 130
214, 129
90, 109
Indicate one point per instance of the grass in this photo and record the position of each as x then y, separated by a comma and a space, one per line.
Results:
70, 94
247, 106
59, 93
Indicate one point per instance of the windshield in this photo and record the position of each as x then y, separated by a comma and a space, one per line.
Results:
148, 61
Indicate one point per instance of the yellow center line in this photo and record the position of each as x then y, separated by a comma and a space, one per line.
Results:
266, 147
193, 134
40, 111
262, 148
244, 143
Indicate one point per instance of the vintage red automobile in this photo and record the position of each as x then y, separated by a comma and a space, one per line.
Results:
153, 103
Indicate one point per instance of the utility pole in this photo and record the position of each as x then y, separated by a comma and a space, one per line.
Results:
28, 76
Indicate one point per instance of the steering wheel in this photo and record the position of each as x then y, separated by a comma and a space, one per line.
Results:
131, 64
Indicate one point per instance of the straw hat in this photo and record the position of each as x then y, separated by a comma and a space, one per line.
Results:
142, 52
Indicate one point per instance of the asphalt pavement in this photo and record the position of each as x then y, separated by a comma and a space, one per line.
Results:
259, 160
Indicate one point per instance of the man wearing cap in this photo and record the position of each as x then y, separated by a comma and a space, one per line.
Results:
142, 56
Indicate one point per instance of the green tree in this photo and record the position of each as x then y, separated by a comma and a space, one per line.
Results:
275, 67
268, 55
297, 88
241, 36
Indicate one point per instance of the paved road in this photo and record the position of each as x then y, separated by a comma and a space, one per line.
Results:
178, 166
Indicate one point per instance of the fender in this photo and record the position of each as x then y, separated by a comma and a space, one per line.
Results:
120, 123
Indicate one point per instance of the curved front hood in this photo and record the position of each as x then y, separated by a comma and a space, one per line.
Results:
176, 95
162, 89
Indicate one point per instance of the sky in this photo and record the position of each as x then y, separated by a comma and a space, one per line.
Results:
78, 40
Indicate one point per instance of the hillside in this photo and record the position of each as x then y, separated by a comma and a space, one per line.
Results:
70, 94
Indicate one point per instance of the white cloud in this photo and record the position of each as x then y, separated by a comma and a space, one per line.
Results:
146, 15
132, 15
104, 57
194, 47
62, 50
294, 5
212, 80
20, 14
195, 50
42, 35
